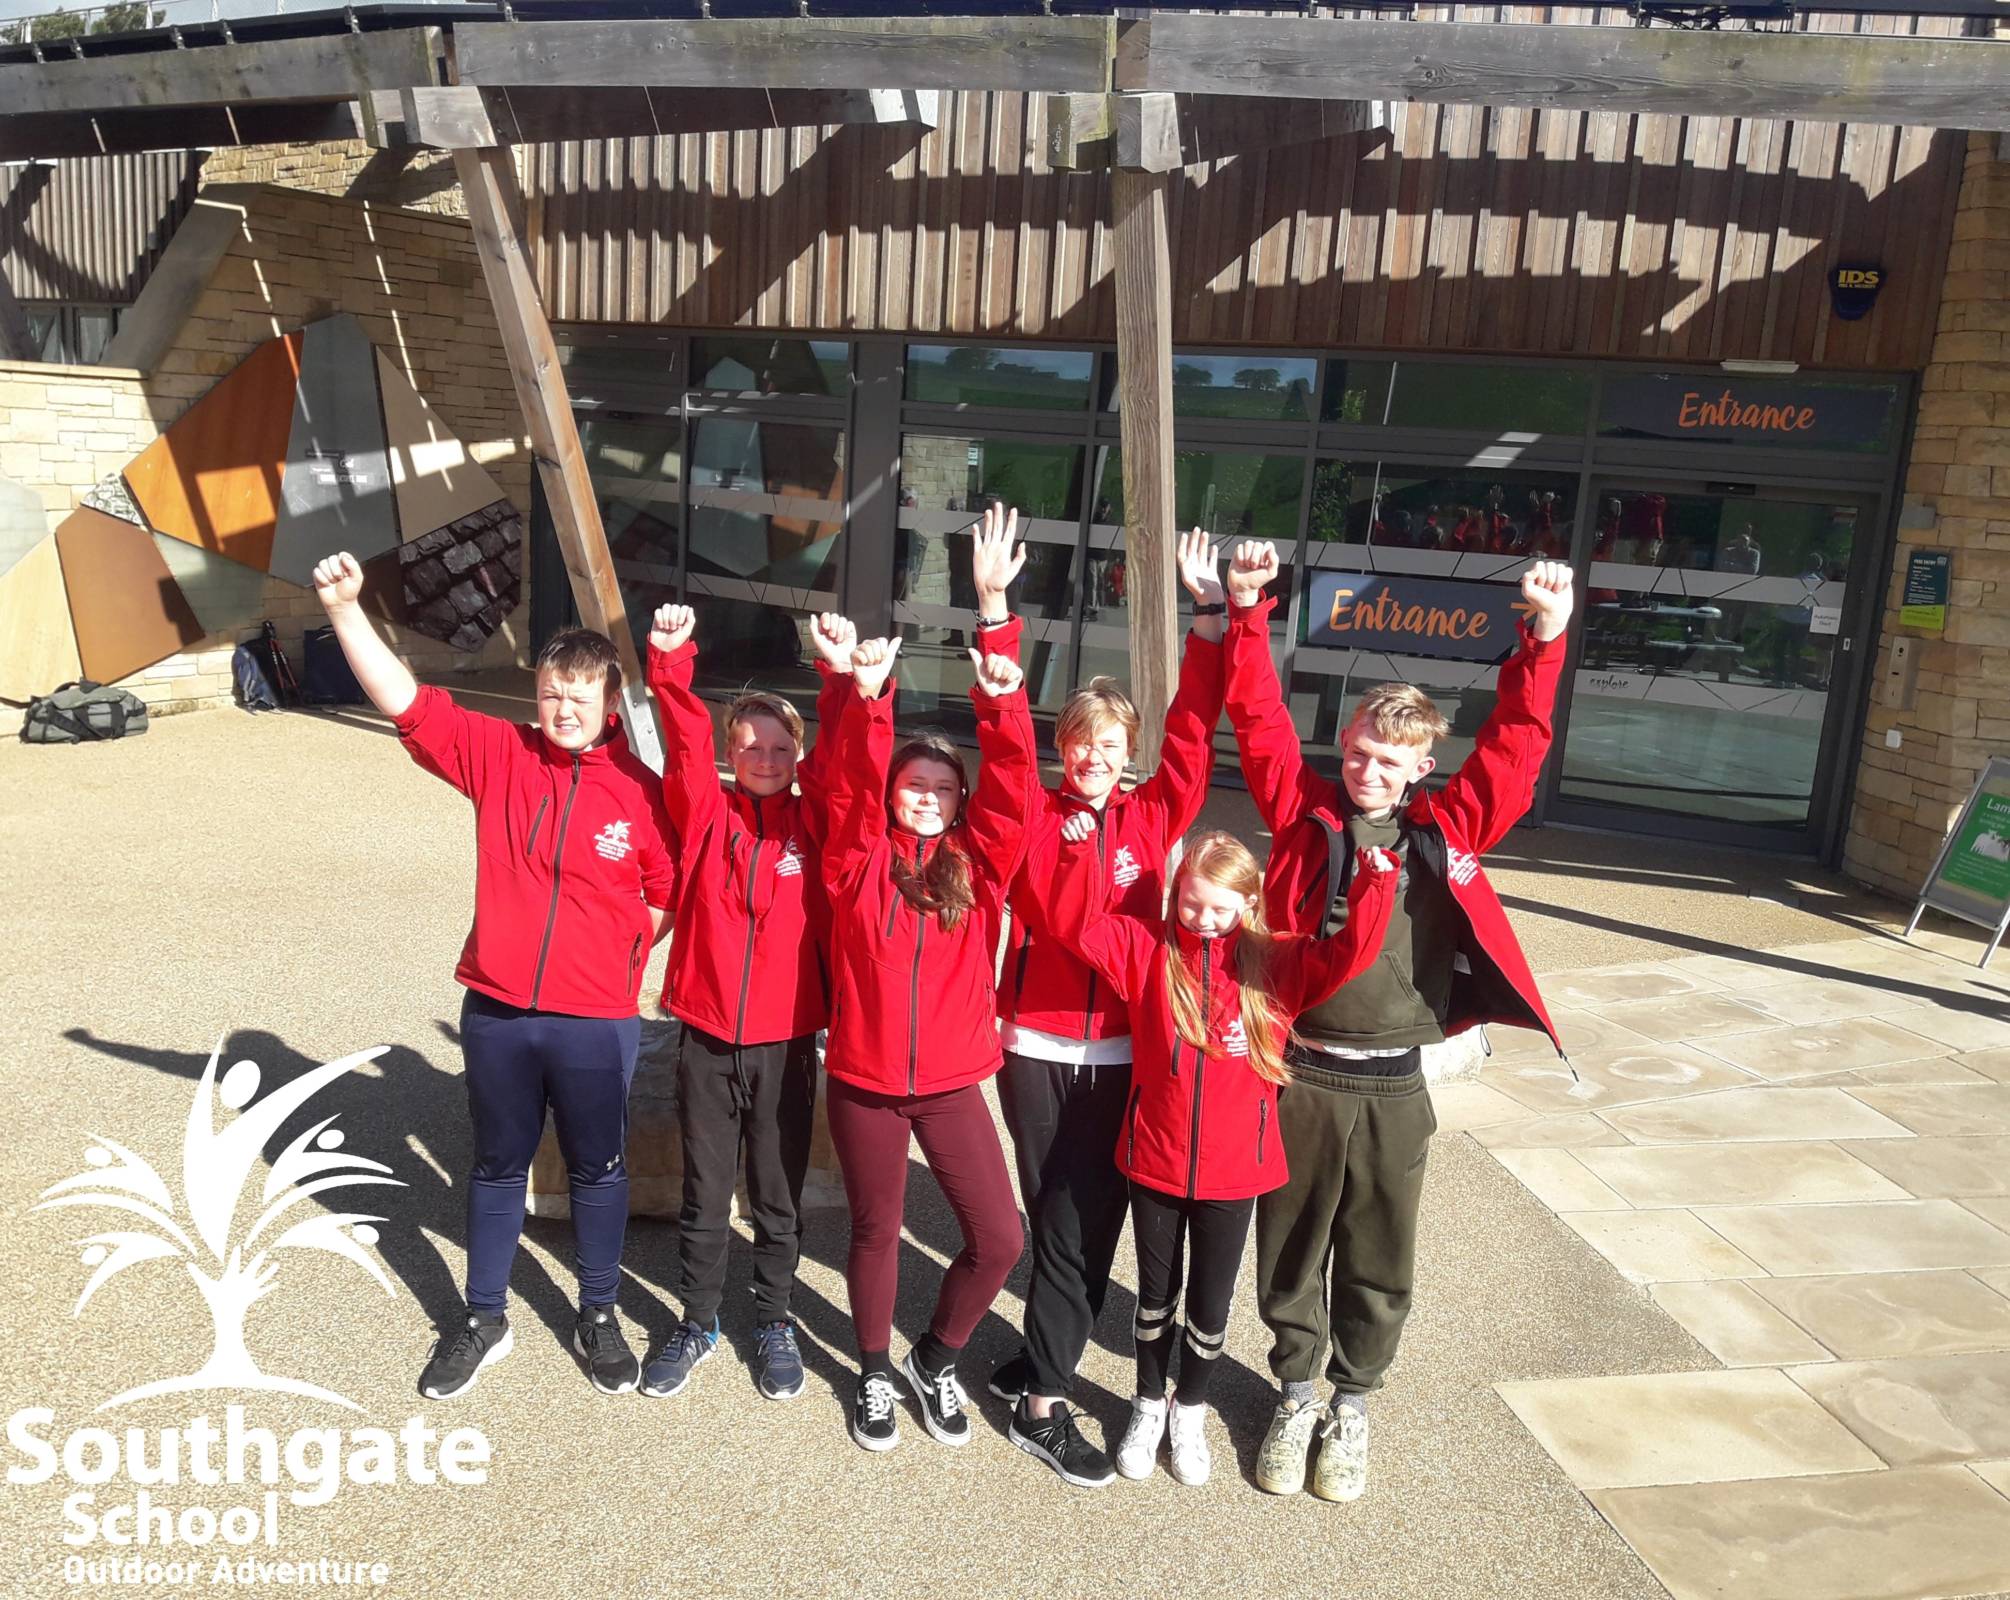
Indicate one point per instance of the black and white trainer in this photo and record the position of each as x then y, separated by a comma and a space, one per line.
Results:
873, 1423
942, 1401
482, 1338
1056, 1440
598, 1342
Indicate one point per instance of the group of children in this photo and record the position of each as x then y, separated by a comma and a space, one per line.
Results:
1180, 1035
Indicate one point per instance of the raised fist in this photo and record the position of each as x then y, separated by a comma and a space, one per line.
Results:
338, 581
872, 664
997, 676
1252, 569
835, 637
671, 627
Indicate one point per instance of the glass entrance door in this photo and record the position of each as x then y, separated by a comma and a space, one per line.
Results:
1716, 653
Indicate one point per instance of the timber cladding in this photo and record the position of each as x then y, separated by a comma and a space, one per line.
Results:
1655, 237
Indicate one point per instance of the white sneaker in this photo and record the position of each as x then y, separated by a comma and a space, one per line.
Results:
1341, 1472
1192, 1461
1139, 1452
1280, 1465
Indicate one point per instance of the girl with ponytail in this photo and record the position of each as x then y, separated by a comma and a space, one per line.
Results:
915, 868
1211, 993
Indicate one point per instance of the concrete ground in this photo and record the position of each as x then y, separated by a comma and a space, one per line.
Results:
294, 887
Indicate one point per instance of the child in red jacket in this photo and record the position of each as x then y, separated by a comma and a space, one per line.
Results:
746, 980
915, 870
1067, 1036
1336, 1247
574, 877
1212, 995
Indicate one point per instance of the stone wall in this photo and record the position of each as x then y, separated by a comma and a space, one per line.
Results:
1951, 710
414, 180
416, 286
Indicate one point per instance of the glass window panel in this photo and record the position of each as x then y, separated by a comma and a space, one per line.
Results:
1489, 398
1787, 412
772, 366
94, 332
45, 334
1703, 683
985, 375
636, 475
639, 378
1356, 391
945, 482
1453, 512
1250, 386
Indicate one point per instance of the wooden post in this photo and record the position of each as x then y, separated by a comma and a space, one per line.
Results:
495, 211
1144, 372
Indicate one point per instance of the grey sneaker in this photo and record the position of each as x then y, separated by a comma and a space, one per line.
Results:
1287, 1447
1341, 1472
671, 1367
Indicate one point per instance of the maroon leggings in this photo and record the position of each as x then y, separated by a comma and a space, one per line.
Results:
960, 1143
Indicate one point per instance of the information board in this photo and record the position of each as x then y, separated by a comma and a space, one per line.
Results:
1924, 603
1443, 618
1971, 878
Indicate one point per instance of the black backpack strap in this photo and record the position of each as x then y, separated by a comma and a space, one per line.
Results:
1339, 869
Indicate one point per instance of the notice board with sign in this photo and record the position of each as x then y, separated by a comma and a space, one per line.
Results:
1971, 878
1924, 602
1435, 617
1784, 413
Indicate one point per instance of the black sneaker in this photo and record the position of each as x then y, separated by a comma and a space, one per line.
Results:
459, 1355
781, 1362
1010, 1379
597, 1341
1056, 1440
942, 1401
873, 1423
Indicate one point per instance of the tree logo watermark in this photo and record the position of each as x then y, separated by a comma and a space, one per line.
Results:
231, 1261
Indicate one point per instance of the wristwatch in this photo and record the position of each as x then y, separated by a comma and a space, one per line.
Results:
1214, 608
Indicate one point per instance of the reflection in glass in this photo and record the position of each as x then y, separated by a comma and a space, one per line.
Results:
1397, 507
636, 476
771, 366
985, 375
1356, 391
1489, 398
1247, 386
638, 378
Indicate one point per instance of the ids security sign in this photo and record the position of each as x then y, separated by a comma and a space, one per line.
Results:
1414, 616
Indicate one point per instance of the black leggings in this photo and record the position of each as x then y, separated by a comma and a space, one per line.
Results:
1168, 1229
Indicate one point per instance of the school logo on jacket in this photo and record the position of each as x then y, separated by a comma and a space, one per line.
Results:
612, 841
1462, 867
790, 863
1125, 870
1234, 1041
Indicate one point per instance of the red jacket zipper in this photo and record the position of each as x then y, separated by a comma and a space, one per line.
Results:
557, 856
747, 961
1200, 1066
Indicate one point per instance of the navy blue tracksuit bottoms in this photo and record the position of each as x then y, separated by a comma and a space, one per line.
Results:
518, 1062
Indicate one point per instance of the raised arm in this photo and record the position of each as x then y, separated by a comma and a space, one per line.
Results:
1186, 756
1273, 762
691, 792
835, 638
995, 822
1120, 948
856, 766
1306, 971
1495, 785
338, 585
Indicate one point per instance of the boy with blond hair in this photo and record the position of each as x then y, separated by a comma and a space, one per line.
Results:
1336, 1245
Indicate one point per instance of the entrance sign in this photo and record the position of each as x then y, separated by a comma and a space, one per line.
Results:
1925, 601
1971, 878
1414, 616
1778, 412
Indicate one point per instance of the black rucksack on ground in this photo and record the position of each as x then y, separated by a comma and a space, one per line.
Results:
328, 678
83, 712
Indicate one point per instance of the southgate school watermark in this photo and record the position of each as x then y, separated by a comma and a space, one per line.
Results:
209, 1502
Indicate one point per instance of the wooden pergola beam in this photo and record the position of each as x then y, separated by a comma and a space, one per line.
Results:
62, 135
1889, 80
1038, 53
331, 67
1142, 269
1163, 132
495, 214
466, 116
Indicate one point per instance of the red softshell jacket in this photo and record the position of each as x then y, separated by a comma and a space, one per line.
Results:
1470, 815
745, 963
1046, 985
1203, 1124
571, 851
913, 1006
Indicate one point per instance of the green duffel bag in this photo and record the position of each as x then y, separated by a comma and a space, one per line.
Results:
83, 711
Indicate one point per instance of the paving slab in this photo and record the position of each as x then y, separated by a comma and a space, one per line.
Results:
1597, 987
1856, 1536
1977, 1027
1686, 1016
1810, 1001
1893, 1236
1756, 1113
1625, 1076
1864, 1316
1942, 1167
1922, 1410
1581, 1031
1994, 1473
1684, 1427
1557, 1179
1559, 1130
1661, 1246
1781, 1054
1462, 1106
1951, 1109
1748, 1172
1737, 1326
1991, 1064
